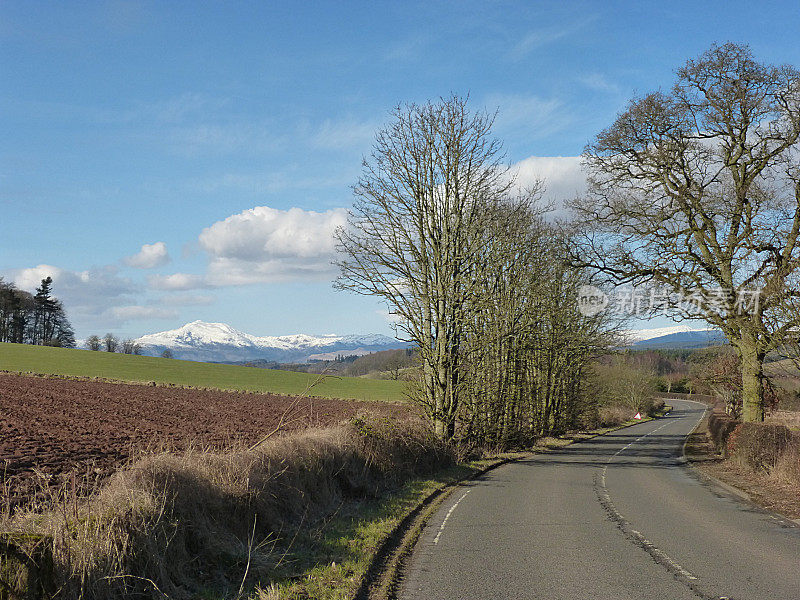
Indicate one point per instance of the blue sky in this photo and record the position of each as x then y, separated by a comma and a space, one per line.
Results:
174, 161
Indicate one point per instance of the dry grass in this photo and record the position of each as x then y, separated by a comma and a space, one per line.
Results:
789, 418
787, 467
180, 526
611, 416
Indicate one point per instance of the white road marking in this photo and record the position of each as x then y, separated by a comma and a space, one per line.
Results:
648, 546
447, 516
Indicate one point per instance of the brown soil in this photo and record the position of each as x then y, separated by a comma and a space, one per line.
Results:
764, 490
57, 433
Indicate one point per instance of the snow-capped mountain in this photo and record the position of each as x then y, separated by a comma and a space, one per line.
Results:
218, 342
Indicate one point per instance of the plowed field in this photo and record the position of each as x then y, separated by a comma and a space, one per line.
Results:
56, 432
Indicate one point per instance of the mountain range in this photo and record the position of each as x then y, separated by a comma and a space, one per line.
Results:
218, 342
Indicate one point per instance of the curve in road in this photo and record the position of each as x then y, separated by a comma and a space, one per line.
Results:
617, 517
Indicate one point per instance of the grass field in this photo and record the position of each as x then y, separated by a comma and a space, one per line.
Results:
23, 358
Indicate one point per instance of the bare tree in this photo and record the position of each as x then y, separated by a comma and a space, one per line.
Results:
414, 233
129, 346
110, 343
697, 190
94, 342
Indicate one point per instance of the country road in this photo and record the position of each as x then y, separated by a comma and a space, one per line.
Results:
616, 517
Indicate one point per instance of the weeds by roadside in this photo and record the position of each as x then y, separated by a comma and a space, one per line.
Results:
213, 524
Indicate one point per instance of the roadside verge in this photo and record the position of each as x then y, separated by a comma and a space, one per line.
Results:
758, 490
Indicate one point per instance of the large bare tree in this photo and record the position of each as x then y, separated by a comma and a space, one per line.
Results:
415, 232
697, 190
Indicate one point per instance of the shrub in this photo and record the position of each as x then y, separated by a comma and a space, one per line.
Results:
787, 468
759, 445
720, 426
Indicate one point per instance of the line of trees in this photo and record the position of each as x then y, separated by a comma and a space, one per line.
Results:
34, 318
475, 277
110, 343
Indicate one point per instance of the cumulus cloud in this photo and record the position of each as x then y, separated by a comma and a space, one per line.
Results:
149, 257
562, 176
176, 282
265, 244
135, 312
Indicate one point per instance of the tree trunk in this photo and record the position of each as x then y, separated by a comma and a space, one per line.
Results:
752, 379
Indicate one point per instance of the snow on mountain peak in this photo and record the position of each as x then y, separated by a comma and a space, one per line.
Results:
199, 340
640, 335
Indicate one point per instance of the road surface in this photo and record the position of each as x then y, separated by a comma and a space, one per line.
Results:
616, 517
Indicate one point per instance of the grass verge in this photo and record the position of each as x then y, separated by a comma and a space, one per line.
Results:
23, 358
207, 525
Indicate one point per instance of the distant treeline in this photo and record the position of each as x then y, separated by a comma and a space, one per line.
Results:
33, 318
389, 364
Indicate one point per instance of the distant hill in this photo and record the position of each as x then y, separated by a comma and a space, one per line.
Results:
683, 340
218, 342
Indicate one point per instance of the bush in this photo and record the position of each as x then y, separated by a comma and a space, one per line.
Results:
759, 445
611, 416
788, 466
720, 427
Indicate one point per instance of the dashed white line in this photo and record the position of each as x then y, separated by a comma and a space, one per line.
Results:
447, 516
659, 555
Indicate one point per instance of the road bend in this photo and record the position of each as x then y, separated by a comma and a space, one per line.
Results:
619, 516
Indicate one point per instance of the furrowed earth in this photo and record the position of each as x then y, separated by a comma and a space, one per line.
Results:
64, 434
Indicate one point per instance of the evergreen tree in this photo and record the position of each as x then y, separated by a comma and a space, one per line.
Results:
44, 314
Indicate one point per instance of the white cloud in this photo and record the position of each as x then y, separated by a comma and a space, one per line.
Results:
135, 312
176, 282
390, 317
537, 39
266, 244
149, 257
600, 83
93, 287
546, 36
345, 134
89, 297
562, 176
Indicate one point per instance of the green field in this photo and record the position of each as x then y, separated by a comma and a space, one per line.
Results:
124, 367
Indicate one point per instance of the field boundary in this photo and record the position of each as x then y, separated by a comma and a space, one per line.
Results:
177, 386
23, 359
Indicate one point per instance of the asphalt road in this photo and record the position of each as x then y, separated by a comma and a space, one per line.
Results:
616, 517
